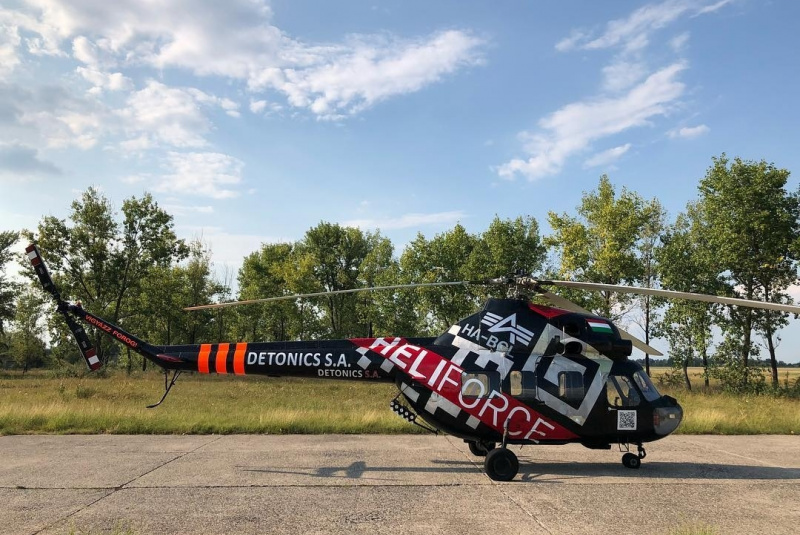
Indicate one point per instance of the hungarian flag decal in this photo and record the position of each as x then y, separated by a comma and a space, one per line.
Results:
599, 326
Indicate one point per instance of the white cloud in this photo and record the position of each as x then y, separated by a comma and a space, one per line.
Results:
237, 40
689, 132
9, 42
84, 51
257, 106
634, 32
163, 115
176, 208
622, 74
206, 174
574, 127
713, 7
607, 156
346, 80
571, 42
413, 220
101, 80
679, 42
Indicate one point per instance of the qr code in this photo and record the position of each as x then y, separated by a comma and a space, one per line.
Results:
626, 420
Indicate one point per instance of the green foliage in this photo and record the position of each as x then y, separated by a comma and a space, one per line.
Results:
337, 254
26, 346
444, 258
157, 305
687, 265
8, 289
601, 244
101, 261
752, 225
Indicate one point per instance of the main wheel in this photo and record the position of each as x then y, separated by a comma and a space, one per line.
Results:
480, 449
501, 464
631, 460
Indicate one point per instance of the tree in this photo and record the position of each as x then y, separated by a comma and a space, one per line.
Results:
102, 261
654, 218
506, 247
26, 347
337, 254
385, 312
8, 289
688, 264
166, 290
753, 228
264, 274
445, 258
601, 244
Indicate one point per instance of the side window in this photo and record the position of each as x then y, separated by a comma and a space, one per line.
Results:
621, 392
479, 385
522, 384
570, 385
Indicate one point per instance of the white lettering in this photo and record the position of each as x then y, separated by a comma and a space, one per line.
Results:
453, 369
535, 429
436, 372
495, 409
384, 345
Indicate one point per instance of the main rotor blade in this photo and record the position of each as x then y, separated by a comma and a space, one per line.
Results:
680, 295
335, 292
566, 304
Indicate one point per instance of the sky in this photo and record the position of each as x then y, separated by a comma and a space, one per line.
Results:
251, 121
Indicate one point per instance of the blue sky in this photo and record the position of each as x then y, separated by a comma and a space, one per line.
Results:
252, 121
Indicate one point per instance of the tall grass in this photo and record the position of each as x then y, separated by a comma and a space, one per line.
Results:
42, 403
213, 404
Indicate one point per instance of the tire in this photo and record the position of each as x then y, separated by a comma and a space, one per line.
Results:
480, 449
631, 460
501, 464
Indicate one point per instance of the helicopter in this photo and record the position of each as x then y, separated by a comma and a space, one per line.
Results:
513, 373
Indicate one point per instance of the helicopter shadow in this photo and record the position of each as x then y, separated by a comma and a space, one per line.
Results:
360, 470
531, 471
545, 472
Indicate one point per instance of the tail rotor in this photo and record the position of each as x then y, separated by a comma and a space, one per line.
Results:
84, 344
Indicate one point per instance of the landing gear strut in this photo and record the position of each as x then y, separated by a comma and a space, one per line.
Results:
634, 460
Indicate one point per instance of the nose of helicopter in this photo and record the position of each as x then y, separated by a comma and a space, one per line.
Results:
667, 419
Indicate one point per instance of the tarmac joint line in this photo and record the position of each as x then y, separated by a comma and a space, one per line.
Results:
501, 490
114, 490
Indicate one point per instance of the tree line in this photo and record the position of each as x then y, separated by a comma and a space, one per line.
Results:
740, 237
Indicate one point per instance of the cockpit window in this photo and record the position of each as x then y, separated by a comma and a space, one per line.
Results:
621, 392
646, 386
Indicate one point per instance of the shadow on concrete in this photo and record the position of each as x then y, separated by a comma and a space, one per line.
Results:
359, 470
532, 471
529, 471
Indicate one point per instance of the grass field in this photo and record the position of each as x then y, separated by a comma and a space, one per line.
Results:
785, 375
41, 403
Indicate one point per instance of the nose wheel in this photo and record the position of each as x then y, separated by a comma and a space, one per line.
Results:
634, 460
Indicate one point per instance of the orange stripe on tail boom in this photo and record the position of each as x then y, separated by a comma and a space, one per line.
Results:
222, 358
238, 359
202, 360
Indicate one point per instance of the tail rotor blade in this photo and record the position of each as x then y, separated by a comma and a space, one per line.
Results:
86, 347
39, 266
84, 344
